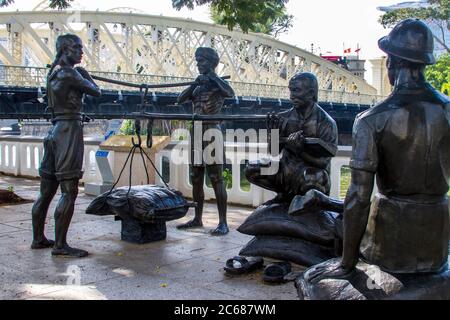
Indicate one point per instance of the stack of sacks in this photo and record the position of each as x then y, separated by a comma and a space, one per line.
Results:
306, 240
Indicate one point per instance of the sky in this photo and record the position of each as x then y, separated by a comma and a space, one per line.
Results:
328, 24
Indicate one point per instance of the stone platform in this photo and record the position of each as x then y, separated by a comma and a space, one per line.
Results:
368, 282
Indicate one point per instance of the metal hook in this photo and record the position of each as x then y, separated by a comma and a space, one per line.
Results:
137, 131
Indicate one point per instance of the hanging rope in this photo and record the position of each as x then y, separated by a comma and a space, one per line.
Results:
138, 146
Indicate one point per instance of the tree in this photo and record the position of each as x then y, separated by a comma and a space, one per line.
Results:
437, 13
54, 4
439, 74
268, 17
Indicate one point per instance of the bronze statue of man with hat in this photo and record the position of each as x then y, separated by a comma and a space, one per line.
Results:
404, 142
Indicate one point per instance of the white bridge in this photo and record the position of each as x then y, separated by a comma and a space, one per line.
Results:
126, 45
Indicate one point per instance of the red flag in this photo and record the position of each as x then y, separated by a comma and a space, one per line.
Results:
358, 50
348, 50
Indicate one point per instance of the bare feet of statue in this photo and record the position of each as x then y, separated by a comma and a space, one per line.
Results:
191, 224
43, 244
221, 230
67, 251
326, 270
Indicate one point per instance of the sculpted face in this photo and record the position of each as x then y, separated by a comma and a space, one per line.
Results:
74, 51
204, 65
302, 95
391, 70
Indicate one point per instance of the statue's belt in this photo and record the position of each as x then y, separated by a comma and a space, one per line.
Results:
60, 116
418, 198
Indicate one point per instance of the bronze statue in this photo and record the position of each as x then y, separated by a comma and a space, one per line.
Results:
300, 169
64, 147
207, 96
405, 142
308, 141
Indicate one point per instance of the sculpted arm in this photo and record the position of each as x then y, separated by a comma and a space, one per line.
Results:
224, 87
186, 95
356, 215
81, 81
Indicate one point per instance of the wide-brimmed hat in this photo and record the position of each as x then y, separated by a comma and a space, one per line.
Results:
411, 40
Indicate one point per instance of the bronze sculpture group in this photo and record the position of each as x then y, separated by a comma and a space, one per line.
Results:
403, 141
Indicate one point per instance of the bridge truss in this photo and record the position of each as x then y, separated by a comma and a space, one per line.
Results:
142, 48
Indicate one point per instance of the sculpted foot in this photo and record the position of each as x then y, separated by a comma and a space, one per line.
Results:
44, 244
67, 251
221, 230
191, 224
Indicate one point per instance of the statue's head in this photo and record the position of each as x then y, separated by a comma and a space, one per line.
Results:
304, 89
410, 44
207, 59
70, 46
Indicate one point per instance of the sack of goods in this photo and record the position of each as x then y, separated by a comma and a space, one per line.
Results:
146, 203
306, 240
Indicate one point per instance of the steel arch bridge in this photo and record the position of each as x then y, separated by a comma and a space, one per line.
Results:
128, 45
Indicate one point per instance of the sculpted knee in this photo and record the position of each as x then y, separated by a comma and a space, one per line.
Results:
251, 172
316, 179
216, 178
196, 178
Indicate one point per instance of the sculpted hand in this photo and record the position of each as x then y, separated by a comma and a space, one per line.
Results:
273, 120
327, 270
296, 140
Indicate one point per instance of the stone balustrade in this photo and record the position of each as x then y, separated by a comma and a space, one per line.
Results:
21, 156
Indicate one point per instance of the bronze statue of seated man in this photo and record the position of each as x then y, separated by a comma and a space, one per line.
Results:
300, 169
405, 142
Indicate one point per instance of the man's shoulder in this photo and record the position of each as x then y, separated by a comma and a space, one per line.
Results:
381, 108
286, 113
66, 73
322, 113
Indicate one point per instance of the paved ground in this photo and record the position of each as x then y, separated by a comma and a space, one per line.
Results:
188, 265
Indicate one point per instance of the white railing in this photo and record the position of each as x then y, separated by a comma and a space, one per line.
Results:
21, 156
36, 77
179, 175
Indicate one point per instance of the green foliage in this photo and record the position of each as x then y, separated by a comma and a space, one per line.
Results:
127, 128
439, 74
268, 16
437, 13
228, 178
54, 4
346, 178
4, 3
10, 189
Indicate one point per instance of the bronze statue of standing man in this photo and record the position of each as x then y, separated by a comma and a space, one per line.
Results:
207, 96
64, 146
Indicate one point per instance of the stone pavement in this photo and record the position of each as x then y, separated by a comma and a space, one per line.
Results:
187, 265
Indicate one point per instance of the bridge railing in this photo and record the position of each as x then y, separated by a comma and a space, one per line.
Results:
36, 77
21, 156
